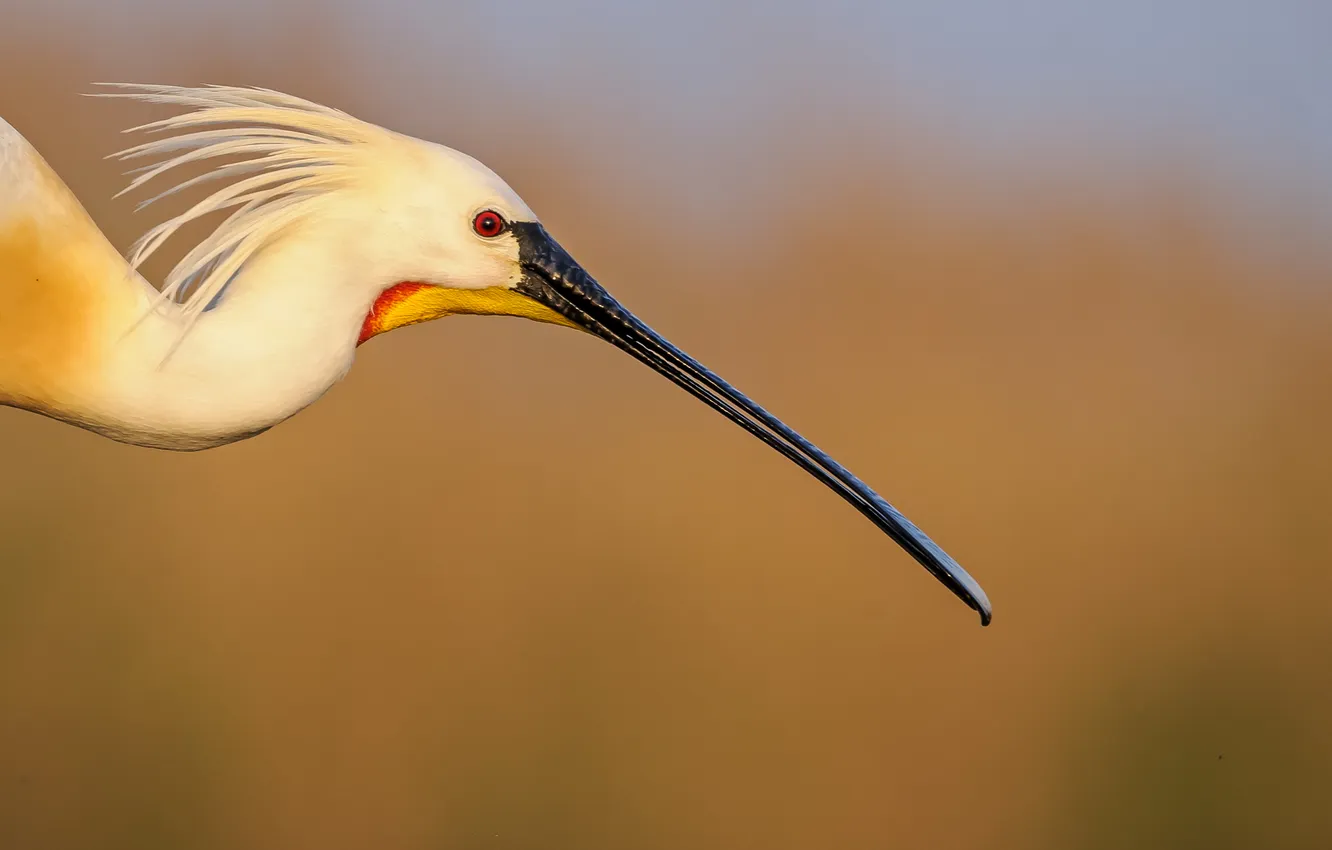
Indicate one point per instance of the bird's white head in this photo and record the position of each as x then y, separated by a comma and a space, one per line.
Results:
426, 232
434, 235
414, 230
449, 237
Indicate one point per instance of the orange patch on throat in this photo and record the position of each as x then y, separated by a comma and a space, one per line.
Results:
409, 303
387, 311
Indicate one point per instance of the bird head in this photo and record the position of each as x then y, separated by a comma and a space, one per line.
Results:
451, 237
437, 233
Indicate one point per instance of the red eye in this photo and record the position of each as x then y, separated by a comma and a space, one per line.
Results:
488, 224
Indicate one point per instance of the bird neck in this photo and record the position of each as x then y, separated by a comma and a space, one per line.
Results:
282, 333
81, 342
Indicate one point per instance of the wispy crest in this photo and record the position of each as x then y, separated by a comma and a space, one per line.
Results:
289, 154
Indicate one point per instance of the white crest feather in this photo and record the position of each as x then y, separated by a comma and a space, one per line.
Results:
289, 154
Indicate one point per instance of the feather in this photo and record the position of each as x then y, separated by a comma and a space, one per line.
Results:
289, 155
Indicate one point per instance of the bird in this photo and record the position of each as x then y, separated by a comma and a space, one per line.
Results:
336, 230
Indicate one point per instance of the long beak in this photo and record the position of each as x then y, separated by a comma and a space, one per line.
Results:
555, 280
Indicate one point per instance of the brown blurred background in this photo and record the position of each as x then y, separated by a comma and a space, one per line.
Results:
1100, 379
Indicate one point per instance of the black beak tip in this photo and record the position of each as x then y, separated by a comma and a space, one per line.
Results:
963, 586
972, 594
975, 599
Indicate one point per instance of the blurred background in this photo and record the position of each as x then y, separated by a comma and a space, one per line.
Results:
1054, 277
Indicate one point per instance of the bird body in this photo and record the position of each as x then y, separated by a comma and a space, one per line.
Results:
339, 230
62, 286
84, 338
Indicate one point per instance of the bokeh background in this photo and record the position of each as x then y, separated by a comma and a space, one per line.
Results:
1054, 277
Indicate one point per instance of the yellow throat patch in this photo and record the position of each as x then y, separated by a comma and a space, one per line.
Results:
411, 303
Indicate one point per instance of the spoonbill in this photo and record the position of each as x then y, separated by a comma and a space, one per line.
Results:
339, 230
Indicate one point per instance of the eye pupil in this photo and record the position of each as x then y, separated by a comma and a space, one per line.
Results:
488, 224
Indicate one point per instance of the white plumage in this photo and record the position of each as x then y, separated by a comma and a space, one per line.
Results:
261, 317
337, 230
291, 154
